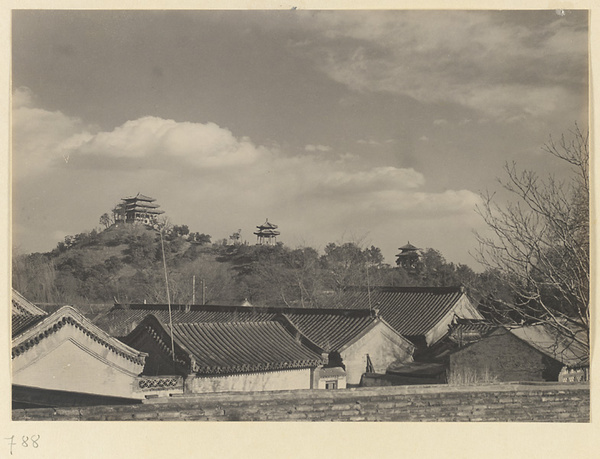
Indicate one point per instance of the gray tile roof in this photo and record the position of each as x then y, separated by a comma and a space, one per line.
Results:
232, 347
411, 311
25, 314
330, 329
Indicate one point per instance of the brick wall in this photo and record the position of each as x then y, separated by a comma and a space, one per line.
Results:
542, 402
505, 357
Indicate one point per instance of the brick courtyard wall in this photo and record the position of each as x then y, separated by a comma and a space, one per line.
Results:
505, 357
544, 402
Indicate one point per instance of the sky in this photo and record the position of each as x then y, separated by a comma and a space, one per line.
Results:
375, 127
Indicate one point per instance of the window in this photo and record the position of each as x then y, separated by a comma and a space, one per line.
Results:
330, 384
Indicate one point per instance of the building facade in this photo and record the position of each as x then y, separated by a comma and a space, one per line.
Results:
227, 356
64, 356
347, 336
138, 208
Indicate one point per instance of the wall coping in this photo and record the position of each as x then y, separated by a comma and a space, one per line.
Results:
360, 392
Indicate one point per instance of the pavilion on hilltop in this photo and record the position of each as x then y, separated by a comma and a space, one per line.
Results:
267, 233
138, 208
408, 257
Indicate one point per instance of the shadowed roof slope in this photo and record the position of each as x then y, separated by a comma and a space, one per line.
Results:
232, 347
243, 346
23, 306
548, 341
330, 329
25, 314
412, 311
21, 322
119, 321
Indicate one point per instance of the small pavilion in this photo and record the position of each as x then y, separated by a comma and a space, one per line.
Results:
267, 233
408, 257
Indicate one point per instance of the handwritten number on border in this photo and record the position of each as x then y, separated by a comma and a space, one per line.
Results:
26, 442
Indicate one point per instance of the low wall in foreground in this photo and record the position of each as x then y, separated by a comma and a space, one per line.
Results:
543, 402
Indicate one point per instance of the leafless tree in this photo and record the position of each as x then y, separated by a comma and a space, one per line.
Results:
539, 241
105, 220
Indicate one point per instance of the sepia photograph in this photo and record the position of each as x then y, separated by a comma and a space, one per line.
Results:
300, 215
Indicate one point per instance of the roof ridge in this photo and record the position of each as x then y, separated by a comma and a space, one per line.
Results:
409, 289
290, 326
69, 315
24, 304
238, 308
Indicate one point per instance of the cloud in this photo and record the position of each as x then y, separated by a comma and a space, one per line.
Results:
22, 97
228, 181
198, 145
375, 143
322, 148
42, 138
500, 64
440, 122
375, 179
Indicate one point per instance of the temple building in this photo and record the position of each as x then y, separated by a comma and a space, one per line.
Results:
344, 337
408, 257
229, 356
63, 359
138, 208
267, 233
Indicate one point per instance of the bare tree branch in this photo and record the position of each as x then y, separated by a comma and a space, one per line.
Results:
539, 242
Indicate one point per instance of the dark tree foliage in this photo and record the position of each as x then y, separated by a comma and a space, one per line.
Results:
124, 262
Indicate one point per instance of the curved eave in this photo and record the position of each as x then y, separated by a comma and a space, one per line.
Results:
67, 315
256, 368
144, 210
139, 197
145, 205
25, 305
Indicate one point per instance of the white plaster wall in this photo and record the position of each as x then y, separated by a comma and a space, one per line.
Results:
68, 360
463, 309
340, 380
263, 381
383, 347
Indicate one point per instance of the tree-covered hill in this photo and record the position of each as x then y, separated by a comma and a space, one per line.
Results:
124, 263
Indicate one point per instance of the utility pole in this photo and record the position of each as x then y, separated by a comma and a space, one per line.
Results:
194, 289
203, 292
162, 244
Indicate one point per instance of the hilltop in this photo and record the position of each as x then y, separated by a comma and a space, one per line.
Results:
124, 263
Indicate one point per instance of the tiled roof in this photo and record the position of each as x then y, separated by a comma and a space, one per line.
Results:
411, 311
467, 330
144, 204
237, 347
37, 332
267, 232
145, 210
139, 197
330, 329
558, 346
24, 313
21, 322
267, 224
408, 246
23, 306
119, 321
